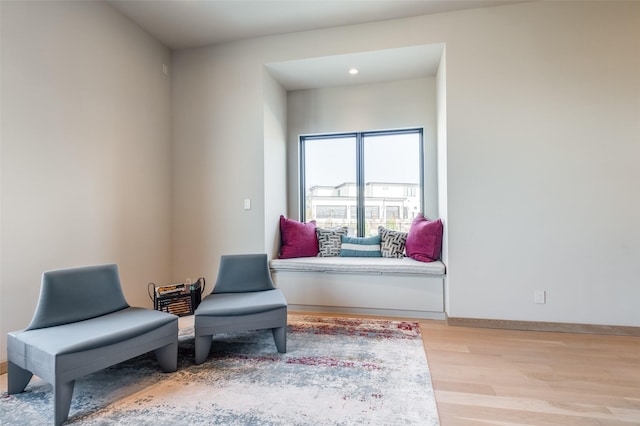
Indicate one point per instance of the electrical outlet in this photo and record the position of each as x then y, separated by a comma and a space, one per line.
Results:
540, 297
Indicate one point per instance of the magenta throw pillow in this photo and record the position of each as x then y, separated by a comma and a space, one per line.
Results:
297, 239
424, 241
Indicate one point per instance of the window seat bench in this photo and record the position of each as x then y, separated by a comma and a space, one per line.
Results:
362, 285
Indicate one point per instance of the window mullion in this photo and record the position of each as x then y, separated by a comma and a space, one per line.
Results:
302, 178
421, 168
360, 184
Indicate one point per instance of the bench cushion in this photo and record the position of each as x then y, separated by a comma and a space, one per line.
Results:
96, 332
359, 265
232, 304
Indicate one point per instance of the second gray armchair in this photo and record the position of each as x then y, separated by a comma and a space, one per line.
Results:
243, 298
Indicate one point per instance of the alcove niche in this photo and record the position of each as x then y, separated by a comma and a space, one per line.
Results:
395, 88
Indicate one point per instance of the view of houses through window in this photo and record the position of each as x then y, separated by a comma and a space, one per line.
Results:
362, 180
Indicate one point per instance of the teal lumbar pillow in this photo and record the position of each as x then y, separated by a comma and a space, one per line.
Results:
360, 247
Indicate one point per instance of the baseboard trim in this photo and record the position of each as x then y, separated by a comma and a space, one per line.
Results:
561, 327
398, 313
3, 367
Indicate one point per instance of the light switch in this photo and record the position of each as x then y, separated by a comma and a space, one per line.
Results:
247, 204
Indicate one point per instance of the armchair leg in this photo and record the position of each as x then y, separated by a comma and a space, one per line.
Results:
62, 393
280, 336
18, 378
167, 357
203, 346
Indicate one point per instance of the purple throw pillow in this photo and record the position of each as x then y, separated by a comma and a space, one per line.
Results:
424, 241
298, 239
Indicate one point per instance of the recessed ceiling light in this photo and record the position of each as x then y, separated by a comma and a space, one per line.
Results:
353, 71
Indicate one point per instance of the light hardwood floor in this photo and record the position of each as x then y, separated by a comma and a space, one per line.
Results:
506, 377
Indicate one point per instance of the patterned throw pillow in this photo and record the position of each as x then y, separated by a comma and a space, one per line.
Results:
360, 247
392, 242
329, 241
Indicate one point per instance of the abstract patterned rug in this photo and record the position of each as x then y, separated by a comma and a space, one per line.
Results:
337, 371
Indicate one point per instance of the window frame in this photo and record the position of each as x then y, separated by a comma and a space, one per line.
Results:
360, 184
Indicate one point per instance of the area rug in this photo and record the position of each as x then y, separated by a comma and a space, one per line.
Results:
337, 371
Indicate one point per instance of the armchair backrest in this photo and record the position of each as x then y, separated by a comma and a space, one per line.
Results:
241, 273
76, 294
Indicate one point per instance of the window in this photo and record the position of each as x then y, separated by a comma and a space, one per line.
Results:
392, 212
410, 191
331, 212
362, 180
372, 212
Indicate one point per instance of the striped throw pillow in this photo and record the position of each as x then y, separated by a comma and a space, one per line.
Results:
360, 247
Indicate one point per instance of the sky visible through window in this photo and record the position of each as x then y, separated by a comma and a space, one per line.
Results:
388, 158
392, 158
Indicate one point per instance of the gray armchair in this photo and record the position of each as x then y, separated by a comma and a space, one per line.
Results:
83, 324
244, 298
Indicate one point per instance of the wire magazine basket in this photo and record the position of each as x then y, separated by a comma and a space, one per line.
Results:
178, 299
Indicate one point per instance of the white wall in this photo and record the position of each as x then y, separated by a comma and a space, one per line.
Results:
542, 108
380, 106
443, 190
218, 157
85, 151
275, 161
543, 144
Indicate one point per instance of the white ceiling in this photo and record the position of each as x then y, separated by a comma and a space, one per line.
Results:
180, 24
374, 66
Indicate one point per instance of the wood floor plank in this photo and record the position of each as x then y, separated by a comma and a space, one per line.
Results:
463, 415
511, 377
